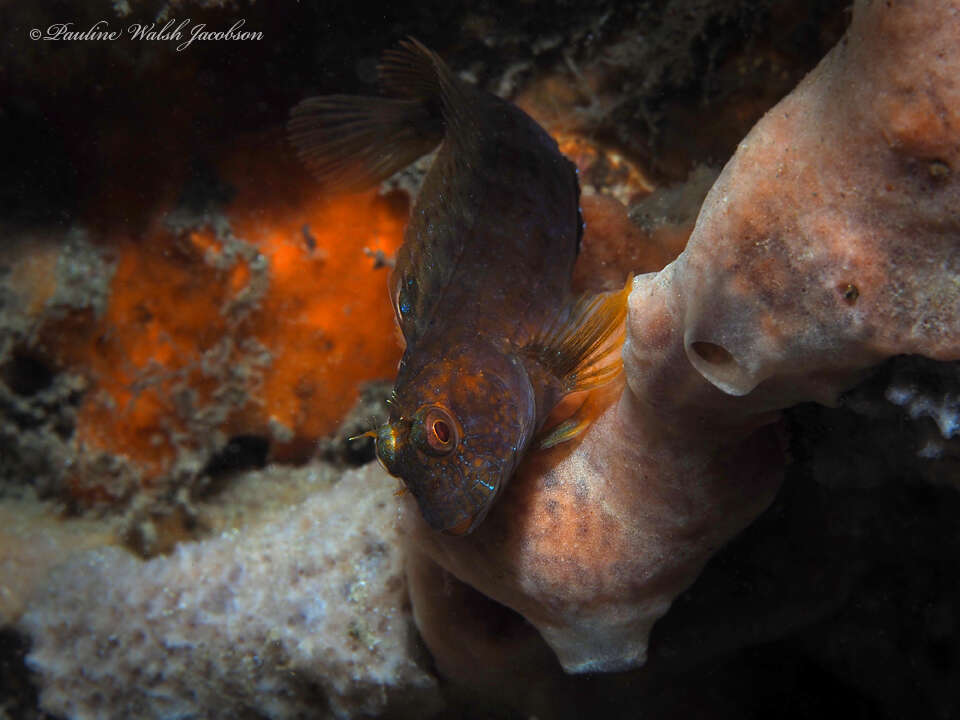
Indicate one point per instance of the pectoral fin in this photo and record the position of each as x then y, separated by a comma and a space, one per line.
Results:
566, 430
582, 352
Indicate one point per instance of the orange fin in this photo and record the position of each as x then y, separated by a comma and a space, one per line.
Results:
578, 351
566, 430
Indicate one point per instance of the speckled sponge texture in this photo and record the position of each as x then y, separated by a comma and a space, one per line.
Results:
305, 616
828, 244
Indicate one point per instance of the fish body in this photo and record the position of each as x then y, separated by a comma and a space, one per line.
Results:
481, 287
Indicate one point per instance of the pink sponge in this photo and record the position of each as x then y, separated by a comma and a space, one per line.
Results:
830, 242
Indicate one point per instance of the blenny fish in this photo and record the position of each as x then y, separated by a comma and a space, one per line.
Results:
494, 335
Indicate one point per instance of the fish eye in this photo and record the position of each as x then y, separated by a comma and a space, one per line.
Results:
440, 429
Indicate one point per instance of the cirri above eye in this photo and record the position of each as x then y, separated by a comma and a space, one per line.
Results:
441, 431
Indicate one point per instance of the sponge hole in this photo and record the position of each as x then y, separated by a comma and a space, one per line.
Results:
719, 367
713, 353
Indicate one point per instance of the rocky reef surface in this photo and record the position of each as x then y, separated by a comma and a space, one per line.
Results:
306, 614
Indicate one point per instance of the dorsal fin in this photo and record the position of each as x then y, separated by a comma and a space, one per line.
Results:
577, 352
354, 142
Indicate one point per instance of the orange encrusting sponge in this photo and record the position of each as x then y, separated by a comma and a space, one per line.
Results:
331, 327
265, 329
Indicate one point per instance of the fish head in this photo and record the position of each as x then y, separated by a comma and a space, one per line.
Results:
458, 429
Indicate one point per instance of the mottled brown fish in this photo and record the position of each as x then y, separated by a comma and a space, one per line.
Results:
481, 288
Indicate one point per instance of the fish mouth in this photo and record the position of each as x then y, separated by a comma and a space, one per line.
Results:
387, 444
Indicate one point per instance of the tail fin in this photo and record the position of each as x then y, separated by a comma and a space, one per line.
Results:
353, 143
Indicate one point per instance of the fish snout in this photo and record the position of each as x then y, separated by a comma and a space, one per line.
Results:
387, 443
